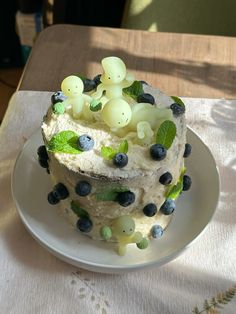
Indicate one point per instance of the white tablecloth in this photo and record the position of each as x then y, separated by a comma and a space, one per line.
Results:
34, 281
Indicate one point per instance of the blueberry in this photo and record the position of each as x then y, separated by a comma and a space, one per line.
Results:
85, 142
187, 150
158, 152
157, 231
147, 98
60, 191
43, 162
97, 79
84, 224
168, 206
126, 198
42, 152
52, 199
83, 188
89, 85
186, 183
166, 178
150, 210
58, 97
120, 160
177, 109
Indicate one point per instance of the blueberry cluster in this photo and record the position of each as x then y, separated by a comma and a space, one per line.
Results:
58, 193
43, 157
84, 224
187, 182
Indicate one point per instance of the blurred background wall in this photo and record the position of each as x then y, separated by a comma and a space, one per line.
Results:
22, 20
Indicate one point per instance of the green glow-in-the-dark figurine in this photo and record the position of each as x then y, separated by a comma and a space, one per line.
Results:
72, 87
113, 79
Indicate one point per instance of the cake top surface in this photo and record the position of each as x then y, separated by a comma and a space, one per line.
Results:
106, 126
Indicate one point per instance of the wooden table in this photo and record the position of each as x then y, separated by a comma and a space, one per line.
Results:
179, 64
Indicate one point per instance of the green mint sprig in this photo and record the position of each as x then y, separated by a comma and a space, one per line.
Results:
166, 134
64, 142
177, 100
80, 212
109, 152
134, 90
110, 195
175, 190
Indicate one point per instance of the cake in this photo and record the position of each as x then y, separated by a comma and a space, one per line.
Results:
114, 150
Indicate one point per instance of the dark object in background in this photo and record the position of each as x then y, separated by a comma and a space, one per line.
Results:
88, 12
10, 52
30, 6
29, 24
82, 12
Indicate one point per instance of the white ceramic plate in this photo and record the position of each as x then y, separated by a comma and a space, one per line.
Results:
195, 208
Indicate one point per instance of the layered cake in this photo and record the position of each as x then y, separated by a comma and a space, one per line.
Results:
114, 149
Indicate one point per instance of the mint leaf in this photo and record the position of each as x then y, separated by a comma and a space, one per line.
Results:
175, 190
58, 108
134, 90
64, 142
166, 134
178, 100
80, 212
108, 152
110, 195
95, 105
107, 196
124, 146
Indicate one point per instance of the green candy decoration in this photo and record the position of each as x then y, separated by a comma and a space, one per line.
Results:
58, 108
106, 232
143, 244
95, 105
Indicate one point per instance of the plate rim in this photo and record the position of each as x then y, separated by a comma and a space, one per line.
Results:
103, 268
